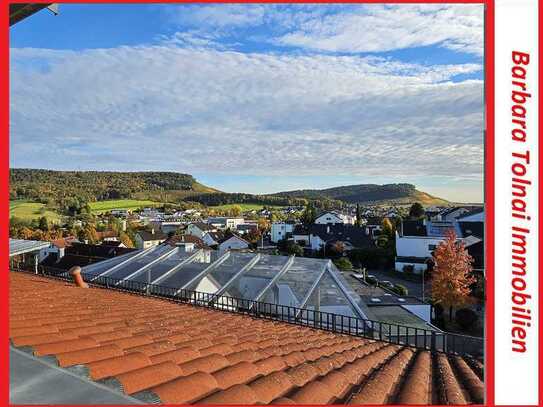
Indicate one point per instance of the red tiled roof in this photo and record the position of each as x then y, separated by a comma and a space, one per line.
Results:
162, 351
63, 242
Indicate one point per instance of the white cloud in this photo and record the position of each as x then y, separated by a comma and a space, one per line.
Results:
347, 28
201, 110
377, 28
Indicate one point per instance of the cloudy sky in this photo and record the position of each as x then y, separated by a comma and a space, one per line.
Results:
255, 98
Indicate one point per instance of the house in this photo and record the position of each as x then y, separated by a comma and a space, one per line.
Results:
245, 228
300, 235
416, 241
107, 235
112, 243
171, 226
234, 242
334, 218
352, 237
223, 222
414, 247
455, 212
177, 240
122, 213
281, 230
476, 215
199, 229
146, 239
213, 238
373, 225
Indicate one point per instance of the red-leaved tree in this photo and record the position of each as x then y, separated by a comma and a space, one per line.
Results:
452, 274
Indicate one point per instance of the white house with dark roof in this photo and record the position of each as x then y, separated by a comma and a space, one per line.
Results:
199, 229
334, 218
145, 239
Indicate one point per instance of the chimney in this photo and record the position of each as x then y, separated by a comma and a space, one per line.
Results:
75, 272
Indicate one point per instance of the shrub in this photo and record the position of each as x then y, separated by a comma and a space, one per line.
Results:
466, 318
400, 289
343, 263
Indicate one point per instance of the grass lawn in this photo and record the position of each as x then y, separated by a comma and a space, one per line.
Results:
31, 210
106, 206
244, 207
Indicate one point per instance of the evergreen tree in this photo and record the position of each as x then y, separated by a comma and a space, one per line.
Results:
358, 221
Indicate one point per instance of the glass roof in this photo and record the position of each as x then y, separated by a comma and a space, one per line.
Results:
294, 285
293, 281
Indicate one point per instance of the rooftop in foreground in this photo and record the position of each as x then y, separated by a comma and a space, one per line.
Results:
160, 351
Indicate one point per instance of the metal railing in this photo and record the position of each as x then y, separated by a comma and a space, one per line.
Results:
365, 328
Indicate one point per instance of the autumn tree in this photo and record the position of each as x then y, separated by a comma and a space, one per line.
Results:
125, 239
235, 210
452, 274
337, 247
263, 225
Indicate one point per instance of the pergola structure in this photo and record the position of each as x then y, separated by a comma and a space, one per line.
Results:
24, 248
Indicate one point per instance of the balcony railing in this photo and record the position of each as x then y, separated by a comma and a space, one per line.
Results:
365, 328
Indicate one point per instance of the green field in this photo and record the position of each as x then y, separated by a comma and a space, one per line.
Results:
244, 207
31, 210
133, 204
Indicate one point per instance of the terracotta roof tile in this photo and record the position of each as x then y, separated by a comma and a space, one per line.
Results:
162, 351
142, 379
238, 394
178, 356
64, 346
117, 365
188, 389
239, 373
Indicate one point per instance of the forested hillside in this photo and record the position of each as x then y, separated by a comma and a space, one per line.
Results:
43, 185
367, 193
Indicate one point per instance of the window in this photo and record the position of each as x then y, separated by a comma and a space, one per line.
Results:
432, 247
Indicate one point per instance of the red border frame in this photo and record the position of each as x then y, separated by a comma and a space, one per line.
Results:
489, 168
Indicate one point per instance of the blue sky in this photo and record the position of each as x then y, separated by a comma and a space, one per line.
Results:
255, 98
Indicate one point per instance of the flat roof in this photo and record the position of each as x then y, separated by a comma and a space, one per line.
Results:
21, 246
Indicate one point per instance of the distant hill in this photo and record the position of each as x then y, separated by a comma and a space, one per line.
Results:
61, 187
40, 185
368, 193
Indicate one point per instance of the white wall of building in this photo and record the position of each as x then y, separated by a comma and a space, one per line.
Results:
279, 230
416, 246
234, 243
328, 218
